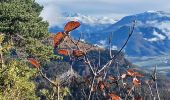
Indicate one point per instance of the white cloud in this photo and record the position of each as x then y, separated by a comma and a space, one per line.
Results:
116, 8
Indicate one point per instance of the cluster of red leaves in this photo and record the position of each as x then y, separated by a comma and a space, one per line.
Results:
136, 81
59, 37
101, 85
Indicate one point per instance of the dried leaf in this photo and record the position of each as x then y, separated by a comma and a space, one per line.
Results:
112, 78
101, 85
136, 81
113, 96
63, 52
71, 26
78, 53
58, 38
130, 72
123, 76
34, 62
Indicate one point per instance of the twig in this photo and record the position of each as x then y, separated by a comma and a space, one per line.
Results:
91, 87
47, 78
114, 57
155, 74
110, 45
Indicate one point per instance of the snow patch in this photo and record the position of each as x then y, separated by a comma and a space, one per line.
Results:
157, 37
89, 19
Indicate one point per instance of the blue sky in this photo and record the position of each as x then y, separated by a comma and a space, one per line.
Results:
116, 8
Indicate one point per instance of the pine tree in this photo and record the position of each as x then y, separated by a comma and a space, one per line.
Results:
22, 34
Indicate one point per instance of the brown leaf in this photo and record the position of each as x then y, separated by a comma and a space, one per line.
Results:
78, 53
101, 85
113, 96
63, 52
136, 81
34, 62
112, 78
58, 38
123, 76
71, 26
130, 72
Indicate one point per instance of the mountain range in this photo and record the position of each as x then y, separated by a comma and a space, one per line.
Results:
151, 35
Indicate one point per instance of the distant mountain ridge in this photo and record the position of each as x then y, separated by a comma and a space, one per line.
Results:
151, 35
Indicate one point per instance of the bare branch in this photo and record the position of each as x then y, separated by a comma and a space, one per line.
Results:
115, 56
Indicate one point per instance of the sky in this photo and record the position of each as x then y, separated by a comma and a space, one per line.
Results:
117, 9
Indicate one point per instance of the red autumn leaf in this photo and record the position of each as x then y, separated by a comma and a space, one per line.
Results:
101, 85
34, 62
130, 72
58, 38
136, 81
78, 53
71, 26
113, 96
63, 52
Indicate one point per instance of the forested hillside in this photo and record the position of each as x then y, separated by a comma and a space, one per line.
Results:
38, 65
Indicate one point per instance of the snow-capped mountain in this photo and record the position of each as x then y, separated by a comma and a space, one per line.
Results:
151, 35
89, 24
90, 20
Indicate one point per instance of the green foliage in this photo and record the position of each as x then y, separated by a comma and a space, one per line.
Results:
22, 30
20, 23
16, 81
22, 17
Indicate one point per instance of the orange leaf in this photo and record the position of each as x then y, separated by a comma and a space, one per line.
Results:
58, 38
34, 62
136, 81
71, 26
130, 72
78, 53
113, 96
63, 52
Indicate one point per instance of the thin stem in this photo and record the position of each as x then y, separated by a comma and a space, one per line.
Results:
156, 83
114, 57
58, 91
50, 81
92, 85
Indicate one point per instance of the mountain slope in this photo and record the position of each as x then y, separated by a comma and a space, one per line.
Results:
151, 35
